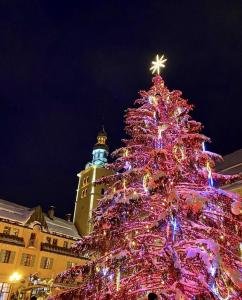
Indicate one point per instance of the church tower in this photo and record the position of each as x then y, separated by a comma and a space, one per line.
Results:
88, 193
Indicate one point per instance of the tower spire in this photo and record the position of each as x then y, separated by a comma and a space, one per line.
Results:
100, 149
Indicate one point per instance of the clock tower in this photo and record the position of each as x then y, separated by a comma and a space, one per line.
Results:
88, 193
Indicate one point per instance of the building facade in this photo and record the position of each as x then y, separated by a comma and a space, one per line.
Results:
88, 192
232, 164
34, 248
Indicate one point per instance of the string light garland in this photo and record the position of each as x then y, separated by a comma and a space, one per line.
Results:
209, 170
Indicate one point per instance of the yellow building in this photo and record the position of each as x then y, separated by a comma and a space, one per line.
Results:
34, 248
88, 193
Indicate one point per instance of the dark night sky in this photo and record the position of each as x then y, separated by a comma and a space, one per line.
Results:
66, 67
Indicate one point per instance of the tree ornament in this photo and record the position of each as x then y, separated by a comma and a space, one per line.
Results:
210, 178
118, 276
124, 184
153, 100
126, 153
158, 64
145, 182
179, 153
161, 129
178, 111
127, 166
236, 208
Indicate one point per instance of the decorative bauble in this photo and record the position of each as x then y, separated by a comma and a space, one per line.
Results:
236, 208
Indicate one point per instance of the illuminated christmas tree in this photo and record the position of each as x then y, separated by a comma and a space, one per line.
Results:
163, 225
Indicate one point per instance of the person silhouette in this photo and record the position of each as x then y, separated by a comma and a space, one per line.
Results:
152, 296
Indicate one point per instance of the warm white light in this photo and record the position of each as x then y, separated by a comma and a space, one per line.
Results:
157, 64
15, 277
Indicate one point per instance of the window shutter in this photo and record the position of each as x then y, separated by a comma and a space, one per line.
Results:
12, 256
42, 262
22, 259
51, 263
1, 256
32, 260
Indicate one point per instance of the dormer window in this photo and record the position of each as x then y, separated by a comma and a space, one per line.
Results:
48, 240
15, 231
55, 241
32, 240
6, 230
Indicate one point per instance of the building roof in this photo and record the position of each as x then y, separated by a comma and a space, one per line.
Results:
232, 163
25, 216
14, 212
61, 226
102, 132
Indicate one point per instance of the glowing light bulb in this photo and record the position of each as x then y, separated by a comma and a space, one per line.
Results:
105, 271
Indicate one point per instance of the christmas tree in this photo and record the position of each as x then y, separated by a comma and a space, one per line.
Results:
163, 225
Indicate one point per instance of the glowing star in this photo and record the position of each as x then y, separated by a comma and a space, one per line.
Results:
158, 63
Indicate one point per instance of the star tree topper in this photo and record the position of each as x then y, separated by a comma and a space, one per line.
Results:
158, 63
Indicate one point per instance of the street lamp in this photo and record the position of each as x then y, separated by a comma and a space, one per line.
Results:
15, 277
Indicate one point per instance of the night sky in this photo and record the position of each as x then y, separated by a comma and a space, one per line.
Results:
67, 67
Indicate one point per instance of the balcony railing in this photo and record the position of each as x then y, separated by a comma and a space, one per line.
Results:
11, 239
57, 249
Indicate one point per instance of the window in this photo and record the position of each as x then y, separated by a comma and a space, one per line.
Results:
65, 244
85, 181
55, 241
70, 264
27, 260
4, 290
102, 191
6, 230
48, 240
15, 231
32, 236
32, 239
84, 193
46, 263
7, 256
